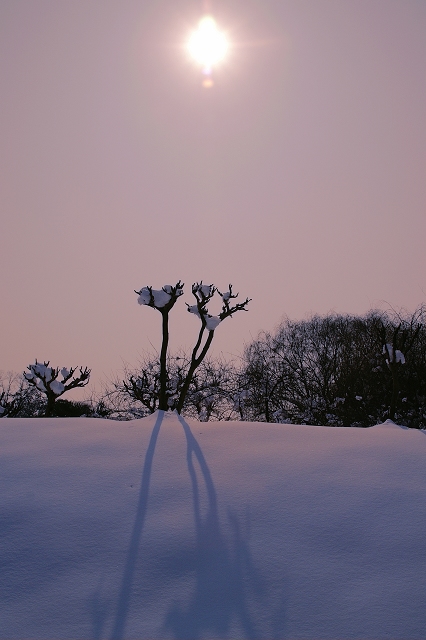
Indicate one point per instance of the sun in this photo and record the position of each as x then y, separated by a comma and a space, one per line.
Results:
207, 45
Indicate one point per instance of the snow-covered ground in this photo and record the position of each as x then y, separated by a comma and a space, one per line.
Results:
165, 528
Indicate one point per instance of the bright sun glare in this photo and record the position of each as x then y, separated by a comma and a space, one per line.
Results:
207, 45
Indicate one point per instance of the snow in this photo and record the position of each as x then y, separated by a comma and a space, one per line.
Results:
399, 356
144, 296
40, 385
205, 290
57, 387
165, 528
212, 322
161, 296
194, 309
168, 288
39, 368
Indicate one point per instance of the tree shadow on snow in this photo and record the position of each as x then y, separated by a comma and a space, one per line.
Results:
99, 607
225, 578
129, 567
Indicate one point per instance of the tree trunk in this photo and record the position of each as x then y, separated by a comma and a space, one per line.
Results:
50, 405
395, 390
162, 405
195, 362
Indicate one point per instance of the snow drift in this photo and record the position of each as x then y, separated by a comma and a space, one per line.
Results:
166, 528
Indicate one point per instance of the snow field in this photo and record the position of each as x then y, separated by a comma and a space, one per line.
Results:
166, 528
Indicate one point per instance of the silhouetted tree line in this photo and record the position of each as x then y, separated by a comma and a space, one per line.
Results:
336, 370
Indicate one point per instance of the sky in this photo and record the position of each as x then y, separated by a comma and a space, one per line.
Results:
298, 177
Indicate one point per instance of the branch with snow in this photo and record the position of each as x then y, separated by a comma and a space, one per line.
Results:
203, 294
161, 299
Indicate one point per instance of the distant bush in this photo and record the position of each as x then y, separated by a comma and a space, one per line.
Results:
70, 409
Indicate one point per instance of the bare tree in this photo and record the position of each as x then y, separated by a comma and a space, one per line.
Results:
163, 300
45, 379
203, 295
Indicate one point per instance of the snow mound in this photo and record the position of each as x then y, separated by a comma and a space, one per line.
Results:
166, 528
388, 424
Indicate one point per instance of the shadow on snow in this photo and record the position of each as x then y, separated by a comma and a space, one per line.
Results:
225, 579
129, 567
223, 576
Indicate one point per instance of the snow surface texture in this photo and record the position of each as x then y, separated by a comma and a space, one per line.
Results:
165, 528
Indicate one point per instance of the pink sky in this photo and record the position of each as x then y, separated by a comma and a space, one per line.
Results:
299, 177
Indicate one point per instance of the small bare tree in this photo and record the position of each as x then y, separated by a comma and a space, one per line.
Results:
45, 379
163, 300
203, 295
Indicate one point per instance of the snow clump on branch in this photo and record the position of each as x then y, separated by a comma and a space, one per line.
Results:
212, 322
206, 290
57, 387
397, 357
160, 298
156, 297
